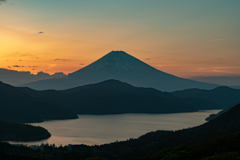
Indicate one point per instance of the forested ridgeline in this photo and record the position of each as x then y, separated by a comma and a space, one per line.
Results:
218, 148
21, 132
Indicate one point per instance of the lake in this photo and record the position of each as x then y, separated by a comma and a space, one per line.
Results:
100, 129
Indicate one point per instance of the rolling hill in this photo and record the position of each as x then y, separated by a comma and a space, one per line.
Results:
115, 97
17, 106
223, 96
21, 132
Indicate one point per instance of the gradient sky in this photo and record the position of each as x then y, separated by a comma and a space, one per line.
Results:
182, 37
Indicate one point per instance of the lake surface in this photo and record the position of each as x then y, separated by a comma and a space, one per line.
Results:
100, 129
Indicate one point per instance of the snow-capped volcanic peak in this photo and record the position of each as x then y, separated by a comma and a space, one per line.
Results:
119, 60
120, 66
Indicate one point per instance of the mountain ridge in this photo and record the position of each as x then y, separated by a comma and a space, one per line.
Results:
18, 106
116, 97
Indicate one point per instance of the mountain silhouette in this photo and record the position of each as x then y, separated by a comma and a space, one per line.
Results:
17, 106
120, 66
15, 78
223, 96
21, 132
114, 97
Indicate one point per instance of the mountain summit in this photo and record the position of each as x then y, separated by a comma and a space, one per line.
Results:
120, 66
114, 63
117, 60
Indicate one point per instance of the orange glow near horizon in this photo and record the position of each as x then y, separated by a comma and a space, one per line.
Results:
184, 39
29, 51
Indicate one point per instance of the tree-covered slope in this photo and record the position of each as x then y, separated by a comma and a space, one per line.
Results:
21, 132
223, 96
21, 107
114, 97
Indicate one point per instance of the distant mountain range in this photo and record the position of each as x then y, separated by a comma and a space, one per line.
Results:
220, 80
15, 78
121, 66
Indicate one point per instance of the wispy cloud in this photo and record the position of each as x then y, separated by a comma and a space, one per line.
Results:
227, 67
40, 32
20, 55
33, 66
221, 71
59, 59
2, 1
215, 40
28, 55
17, 66
148, 59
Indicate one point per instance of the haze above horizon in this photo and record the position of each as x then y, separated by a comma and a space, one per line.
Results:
184, 38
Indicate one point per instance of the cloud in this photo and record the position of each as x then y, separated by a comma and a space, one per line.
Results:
59, 59
52, 65
148, 59
40, 32
17, 66
227, 67
215, 40
219, 71
16, 54
1, 1
9, 67
82, 64
28, 55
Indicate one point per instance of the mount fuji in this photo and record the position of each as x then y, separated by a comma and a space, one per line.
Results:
120, 66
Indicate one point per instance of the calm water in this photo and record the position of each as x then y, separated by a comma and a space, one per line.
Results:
99, 129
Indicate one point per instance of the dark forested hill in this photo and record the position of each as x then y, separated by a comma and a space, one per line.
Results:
20, 107
113, 96
22, 104
223, 96
21, 132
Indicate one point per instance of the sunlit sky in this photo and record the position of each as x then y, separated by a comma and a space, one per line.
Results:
181, 37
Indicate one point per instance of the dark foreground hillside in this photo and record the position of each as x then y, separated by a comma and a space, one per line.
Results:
151, 143
21, 132
213, 140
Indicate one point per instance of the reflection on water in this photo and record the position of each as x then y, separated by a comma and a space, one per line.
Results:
99, 129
